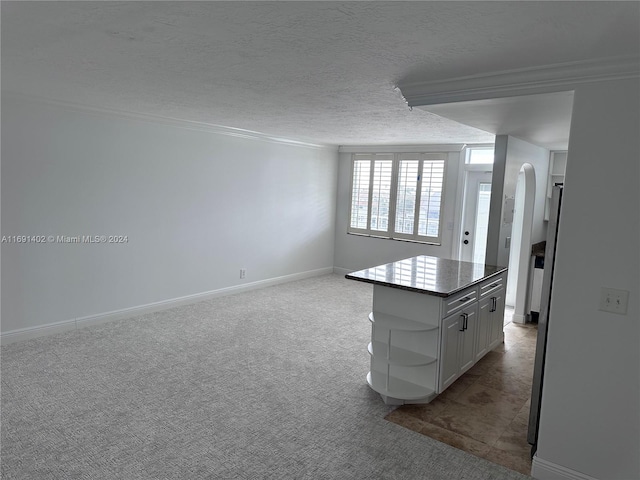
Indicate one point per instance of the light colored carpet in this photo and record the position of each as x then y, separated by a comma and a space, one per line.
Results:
268, 384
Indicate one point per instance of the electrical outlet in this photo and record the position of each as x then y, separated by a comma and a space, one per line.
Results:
243, 272
614, 301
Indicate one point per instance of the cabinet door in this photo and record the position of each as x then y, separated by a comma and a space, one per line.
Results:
449, 364
484, 327
468, 343
497, 319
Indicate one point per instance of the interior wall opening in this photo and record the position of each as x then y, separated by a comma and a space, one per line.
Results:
520, 251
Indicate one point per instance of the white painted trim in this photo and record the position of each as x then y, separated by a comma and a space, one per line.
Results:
544, 470
343, 271
23, 334
458, 212
523, 81
461, 186
435, 148
522, 253
167, 121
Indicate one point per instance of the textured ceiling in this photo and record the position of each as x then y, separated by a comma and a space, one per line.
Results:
322, 72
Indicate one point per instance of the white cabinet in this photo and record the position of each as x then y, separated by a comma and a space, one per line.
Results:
490, 316
484, 327
490, 323
405, 339
397, 369
458, 345
421, 343
468, 338
496, 334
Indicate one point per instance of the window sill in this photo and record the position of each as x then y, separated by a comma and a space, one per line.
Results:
408, 240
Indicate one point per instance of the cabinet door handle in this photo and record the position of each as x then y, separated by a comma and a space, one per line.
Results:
465, 299
464, 317
493, 285
466, 321
493, 304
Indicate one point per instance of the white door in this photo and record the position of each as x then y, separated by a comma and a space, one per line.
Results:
475, 217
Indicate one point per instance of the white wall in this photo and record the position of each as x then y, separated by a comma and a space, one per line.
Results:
559, 162
590, 417
511, 154
196, 207
355, 252
516, 241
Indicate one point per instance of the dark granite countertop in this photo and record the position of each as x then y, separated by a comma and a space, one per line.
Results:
429, 275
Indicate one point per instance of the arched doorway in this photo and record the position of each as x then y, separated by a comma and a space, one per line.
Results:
521, 232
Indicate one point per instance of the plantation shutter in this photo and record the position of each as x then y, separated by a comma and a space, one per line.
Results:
381, 193
408, 176
398, 195
431, 197
360, 193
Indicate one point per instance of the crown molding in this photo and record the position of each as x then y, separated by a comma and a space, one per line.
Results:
418, 148
524, 81
161, 120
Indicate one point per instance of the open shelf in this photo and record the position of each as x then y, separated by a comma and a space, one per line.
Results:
399, 356
397, 388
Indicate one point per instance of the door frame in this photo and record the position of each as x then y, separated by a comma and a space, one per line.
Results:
473, 179
458, 233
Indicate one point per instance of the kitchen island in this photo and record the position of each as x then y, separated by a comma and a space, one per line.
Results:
432, 320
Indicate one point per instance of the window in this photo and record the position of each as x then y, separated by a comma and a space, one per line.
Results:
480, 155
398, 195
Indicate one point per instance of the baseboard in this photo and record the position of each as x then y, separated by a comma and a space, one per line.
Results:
97, 319
342, 271
544, 470
22, 334
517, 318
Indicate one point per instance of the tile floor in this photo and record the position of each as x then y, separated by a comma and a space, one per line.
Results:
486, 411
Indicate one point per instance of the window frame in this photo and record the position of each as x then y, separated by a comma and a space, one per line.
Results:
396, 159
469, 152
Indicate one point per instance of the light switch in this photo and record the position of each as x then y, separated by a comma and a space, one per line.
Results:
614, 301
